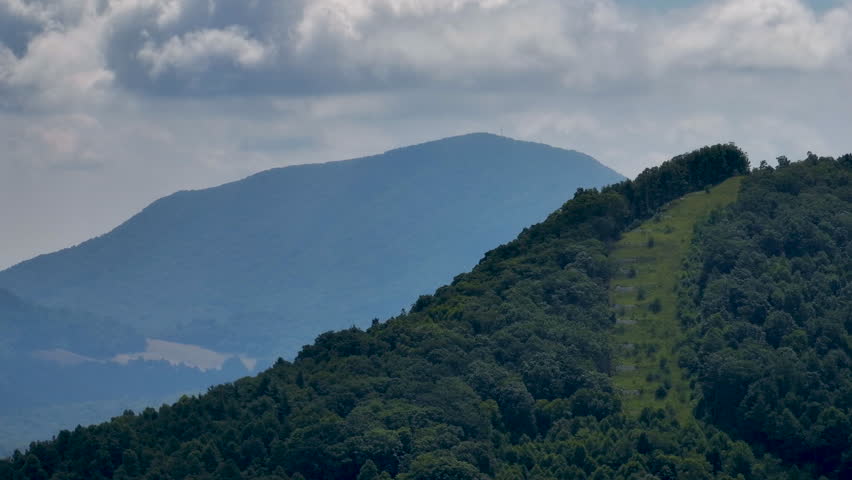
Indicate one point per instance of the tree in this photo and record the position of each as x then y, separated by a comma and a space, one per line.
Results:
441, 467
369, 471
32, 468
228, 470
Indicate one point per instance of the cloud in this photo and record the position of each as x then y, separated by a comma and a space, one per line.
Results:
19, 22
195, 51
106, 105
757, 34
65, 142
62, 63
235, 47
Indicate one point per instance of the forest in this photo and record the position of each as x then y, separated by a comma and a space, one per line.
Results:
259, 267
505, 373
768, 304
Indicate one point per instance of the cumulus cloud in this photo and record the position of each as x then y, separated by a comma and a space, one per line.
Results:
19, 22
195, 47
62, 63
757, 34
106, 105
195, 51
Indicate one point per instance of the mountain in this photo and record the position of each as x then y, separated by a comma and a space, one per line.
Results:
28, 327
202, 286
263, 265
60, 368
767, 303
690, 324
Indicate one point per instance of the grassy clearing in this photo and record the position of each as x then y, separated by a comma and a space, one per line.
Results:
643, 293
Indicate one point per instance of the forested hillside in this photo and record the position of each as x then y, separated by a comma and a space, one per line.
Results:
258, 268
503, 374
768, 300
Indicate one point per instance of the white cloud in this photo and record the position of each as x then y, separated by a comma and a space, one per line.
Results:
468, 43
63, 64
328, 46
756, 34
7, 63
195, 51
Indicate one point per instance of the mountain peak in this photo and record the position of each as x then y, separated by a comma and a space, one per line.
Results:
262, 246
479, 140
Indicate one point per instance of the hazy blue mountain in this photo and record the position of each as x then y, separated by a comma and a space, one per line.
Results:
27, 327
60, 368
264, 264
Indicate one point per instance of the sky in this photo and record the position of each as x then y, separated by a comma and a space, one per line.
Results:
107, 105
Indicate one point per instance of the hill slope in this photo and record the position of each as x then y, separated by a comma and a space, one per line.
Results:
768, 304
504, 374
647, 262
266, 263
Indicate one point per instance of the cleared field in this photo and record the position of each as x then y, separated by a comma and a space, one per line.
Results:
643, 295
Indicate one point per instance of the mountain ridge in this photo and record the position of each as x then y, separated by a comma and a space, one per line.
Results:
283, 214
275, 170
261, 266
502, 374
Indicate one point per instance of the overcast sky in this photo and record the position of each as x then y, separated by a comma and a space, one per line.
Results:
106, 105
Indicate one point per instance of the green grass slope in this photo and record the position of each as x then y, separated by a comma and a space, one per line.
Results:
648, 261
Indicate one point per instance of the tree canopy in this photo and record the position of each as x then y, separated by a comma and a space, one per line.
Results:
503, 374
768, 301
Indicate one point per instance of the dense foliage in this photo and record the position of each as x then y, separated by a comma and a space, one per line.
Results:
260, 267
769, 304
502, 374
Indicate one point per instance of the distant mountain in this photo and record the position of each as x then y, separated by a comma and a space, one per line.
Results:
264, 264
60, 368
27, 327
